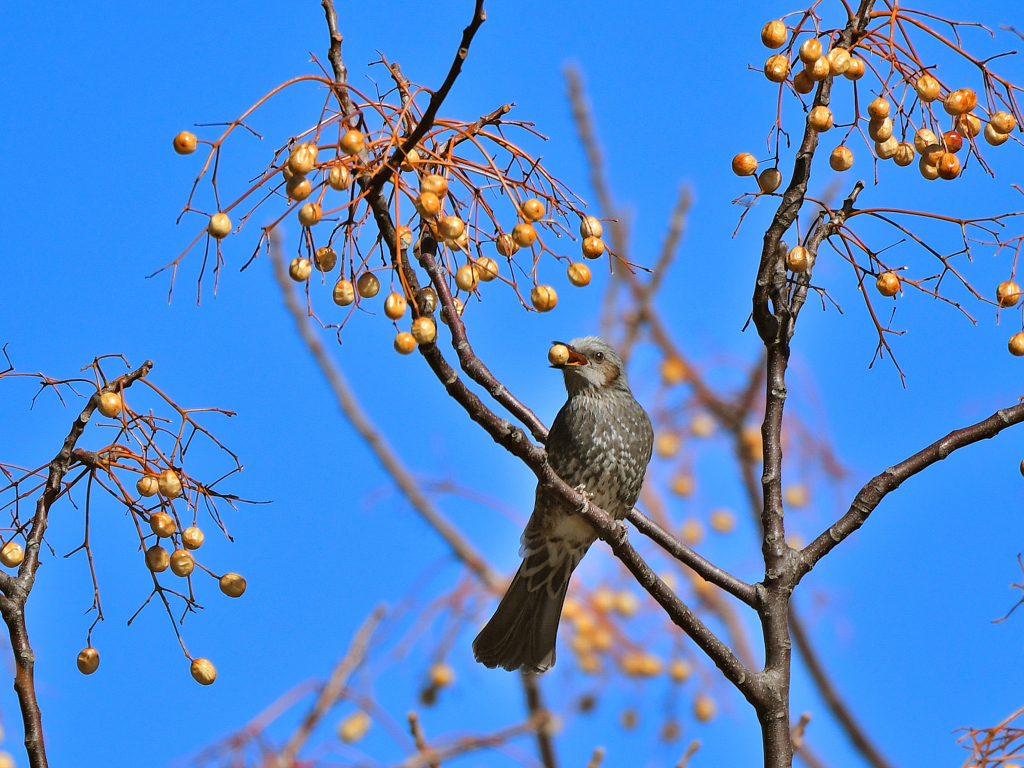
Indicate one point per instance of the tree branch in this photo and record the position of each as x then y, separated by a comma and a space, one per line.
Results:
871, 495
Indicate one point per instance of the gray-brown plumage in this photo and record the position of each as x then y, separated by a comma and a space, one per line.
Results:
600, 439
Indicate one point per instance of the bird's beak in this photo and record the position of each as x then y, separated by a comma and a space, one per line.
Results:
575, 358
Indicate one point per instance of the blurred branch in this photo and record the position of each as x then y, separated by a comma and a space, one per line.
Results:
331, 690
836, 705
376, 442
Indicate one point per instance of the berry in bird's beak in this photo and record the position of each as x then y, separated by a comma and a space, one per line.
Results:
562, 355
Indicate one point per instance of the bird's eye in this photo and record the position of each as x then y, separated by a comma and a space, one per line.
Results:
599, 356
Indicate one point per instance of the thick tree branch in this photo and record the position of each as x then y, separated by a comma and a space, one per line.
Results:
871, 495
706, 569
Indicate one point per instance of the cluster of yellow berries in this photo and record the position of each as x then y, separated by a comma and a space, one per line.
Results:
938, 158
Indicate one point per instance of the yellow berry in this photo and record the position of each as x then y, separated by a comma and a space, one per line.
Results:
344, 293
310, 214
353, 142
404, 235
339, 178
591, 227
368, 285
162, 524
203, 671
888, 284
301, 160
441, 675
219, 226
300, 269
506, 246
543, 298
434, 184
879, 109
593, 247
182, 562
1002, 122
404, 343
88, 661
354, 727
796, 259
12, 554
928, 170
927, 88
579, 274
856, 69
667, 444
880, 129
819, 70
993, 137
185, 143
110, 404
298, 188
802, 82
524, 235
691, 532
968, 126
744, 164
683, 485
810, 50
1015, 345
157, 559
458, 311
704, 708
841, 159
412, 157
887, 149
428, 204
232, 584
773, 34
325, 259
466, 278
423, 330
904, 154
394, 306
722, 521
679, 670
169, 484
674, 371
451, 227
924, 138
820, 119
533, 209
147, 486
486, 268
558, 354
1008, 294
192, 537
948, 166
838, 61
776, 68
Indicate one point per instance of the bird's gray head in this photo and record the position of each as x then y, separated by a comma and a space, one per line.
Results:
593, 367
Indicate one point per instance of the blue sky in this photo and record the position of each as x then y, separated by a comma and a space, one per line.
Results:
92, 95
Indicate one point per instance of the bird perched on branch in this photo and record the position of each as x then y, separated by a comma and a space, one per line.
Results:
601, 439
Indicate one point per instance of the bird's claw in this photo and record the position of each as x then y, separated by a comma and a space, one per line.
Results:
581, 489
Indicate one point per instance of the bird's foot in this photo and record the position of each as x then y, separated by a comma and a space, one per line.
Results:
581, 489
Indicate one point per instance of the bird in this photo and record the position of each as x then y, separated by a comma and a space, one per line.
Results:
600, 442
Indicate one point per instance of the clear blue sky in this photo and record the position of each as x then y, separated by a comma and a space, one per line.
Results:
92, 95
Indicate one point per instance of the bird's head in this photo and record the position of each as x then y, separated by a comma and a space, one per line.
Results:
593, 366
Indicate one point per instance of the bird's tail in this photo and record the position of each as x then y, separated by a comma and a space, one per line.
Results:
521, 633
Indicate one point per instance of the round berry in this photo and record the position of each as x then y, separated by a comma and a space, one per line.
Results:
301, 160
841, 159
774, 34
904, 154
810, 50
203, 671
927, 88
169, 484
994, 137
486, 269
820, 119
466, 278
776, 68
428, 204
506, 246
12, 554
524, 235
368, 285
353, 142
344, 293
543, 298
591, 227
185, 143
325, 259
856, 69
182, 563
1002, 122
423, 330
879, 109
579, 274
796, 259
558, 354
924, 138
339, 178
404, 343
162, 524
394, 306
300, 269
838, 61
192, 537
219, 226
298, 188
310, 214
435, 184
888, 284
110, 404
1016, 345
880, 130
147, 486
1007, 294
744, 164
593, 247
533, 209
88, 660
887, 149
451, 227
157, 559
232, 584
